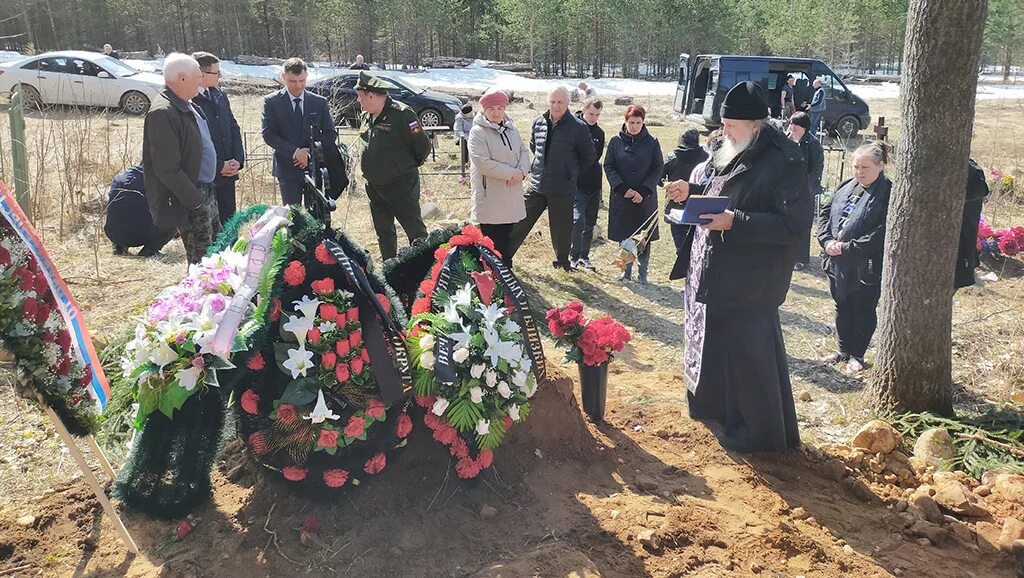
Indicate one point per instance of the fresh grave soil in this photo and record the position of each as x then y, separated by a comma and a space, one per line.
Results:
565, 497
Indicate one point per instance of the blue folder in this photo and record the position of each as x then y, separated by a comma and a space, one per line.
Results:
697, 205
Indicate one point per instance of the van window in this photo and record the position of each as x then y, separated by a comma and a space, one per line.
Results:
833, 87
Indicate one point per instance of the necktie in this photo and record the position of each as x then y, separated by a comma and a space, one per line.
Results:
298, 112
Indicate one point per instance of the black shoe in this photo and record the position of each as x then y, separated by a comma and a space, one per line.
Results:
119, 250
148, 252
564, 266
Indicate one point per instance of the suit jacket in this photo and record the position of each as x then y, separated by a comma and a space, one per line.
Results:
171, 152
224, 131
284, 136
863, 237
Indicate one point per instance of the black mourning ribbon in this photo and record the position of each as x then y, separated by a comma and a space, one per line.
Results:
382, 336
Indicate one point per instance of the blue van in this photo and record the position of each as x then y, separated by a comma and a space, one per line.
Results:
705, 79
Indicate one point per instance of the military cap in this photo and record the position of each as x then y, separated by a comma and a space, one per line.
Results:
371, 83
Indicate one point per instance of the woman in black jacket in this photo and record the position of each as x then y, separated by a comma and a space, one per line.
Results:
633, 165
851, 230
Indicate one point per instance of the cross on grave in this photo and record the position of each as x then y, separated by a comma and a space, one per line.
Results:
881, 131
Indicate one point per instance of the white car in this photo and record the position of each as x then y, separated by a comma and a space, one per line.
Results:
80, 78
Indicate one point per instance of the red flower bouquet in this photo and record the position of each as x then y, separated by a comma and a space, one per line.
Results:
587, 341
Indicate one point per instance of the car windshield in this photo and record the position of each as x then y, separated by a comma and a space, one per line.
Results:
115, 67
406, 84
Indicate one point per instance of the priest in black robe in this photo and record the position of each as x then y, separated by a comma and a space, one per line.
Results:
738, 266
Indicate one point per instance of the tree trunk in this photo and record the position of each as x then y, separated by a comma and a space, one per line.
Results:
937, 96
1007, 61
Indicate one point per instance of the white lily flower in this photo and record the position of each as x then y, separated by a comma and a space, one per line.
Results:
461, 338
501, 350
491, 313
299, 361
327, 327
188, 377
299, 327
464, 297
491, 379
460, 355
320, 411
483, 427
513, 412
476, 395
307, 306
510, 326
530, 388
504, 390
525, 363
440, 406
162, 354
427, 342
427, 360
519, 379
451, 312
477, 370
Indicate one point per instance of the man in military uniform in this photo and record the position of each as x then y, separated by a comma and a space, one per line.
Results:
394, 148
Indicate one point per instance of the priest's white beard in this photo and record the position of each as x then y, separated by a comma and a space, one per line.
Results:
729, 150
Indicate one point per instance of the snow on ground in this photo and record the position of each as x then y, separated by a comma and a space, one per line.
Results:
477, 76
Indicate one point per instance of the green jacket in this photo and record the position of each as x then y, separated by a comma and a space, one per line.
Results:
171, 153
394, 143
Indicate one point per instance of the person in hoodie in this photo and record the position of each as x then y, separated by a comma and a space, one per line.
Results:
499, 162
588, 191
464, 122
680, 165
633, 165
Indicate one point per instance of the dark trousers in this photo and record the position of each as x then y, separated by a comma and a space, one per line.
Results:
465, 156
856, 316
559, 224
398, 200
815, 119
679, 236
643, 260
291, 191
201, 226
225, 198
584, 217
501, 235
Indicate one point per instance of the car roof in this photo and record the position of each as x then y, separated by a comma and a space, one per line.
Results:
68, 54
749, 57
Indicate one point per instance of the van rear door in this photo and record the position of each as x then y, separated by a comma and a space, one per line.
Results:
681, 86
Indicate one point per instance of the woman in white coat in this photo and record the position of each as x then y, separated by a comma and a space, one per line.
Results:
499, 161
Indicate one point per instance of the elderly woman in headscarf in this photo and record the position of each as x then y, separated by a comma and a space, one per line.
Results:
499, 161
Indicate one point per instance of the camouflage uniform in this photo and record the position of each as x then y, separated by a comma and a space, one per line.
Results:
202, 225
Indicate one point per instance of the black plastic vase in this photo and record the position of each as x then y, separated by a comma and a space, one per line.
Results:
594, 386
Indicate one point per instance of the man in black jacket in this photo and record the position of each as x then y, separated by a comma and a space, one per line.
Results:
680, 164
561, 147
738, 267
800, 133
128, 222
227, 137
967, 255
588, 191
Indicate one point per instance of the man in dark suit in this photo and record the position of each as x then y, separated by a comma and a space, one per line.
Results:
287, 115
227, 137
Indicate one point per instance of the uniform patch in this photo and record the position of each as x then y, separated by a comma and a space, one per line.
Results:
415, 127
383, 127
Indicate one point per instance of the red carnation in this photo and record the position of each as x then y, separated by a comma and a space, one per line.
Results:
294, 474
328, 438
431, 421
28, 308
441, 252
356, 427
250, 401
467, 468
42, 314
64, 340
375, 465
421, 305
365, 356
508, 422
385, 303
427, 287
328, 360
323, 286
49, 337
275, 310
426, 401
294, 274
341, 373
286, 413
352, 315
313, 336
323, 255
375, 409
355, 338
256, 362
5, 256
64, 367
258, 444
356, 365
459, 448
335, 478
342, 347
404, 426
86, 375
485, 458
26, 279
40, 284
328, 311
446, 434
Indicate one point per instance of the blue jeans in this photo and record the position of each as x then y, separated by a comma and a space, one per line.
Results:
815, 119
584, 217
643, 261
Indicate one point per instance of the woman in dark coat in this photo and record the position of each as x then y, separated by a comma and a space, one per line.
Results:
678, 166
633, 165
851, 230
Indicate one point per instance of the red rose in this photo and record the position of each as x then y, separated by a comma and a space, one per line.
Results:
42, 314
286, 413
404, 426
342, 347
375, 409
356, 427
352, 315
28, 308
294, 474
323, 255
256, 362
323, 286
328, 438
335, 478
328, 360
275, 310
294, 274
355, 338
40, 285
341, 373
484, 459
64, 340
250, 401
575, 306
569, 317
459, 448
313, 336
258, 444
356, 365
467, 468
385, 303
26, 278
446, 434
328, 311
375, 465
420, 305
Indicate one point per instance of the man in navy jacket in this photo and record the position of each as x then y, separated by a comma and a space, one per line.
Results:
227, 137
287, 115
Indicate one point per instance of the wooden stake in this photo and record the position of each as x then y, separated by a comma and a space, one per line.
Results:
90, 479
102, 458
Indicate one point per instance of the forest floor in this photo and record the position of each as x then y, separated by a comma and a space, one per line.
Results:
569, 496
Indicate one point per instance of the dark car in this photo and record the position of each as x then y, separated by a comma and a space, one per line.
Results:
433, 108
705, 79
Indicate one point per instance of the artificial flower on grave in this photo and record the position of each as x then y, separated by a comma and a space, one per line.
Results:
474, 369
33, 330
1004, 242
587, 341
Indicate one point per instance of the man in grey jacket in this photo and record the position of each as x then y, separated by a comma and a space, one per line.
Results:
561, 147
